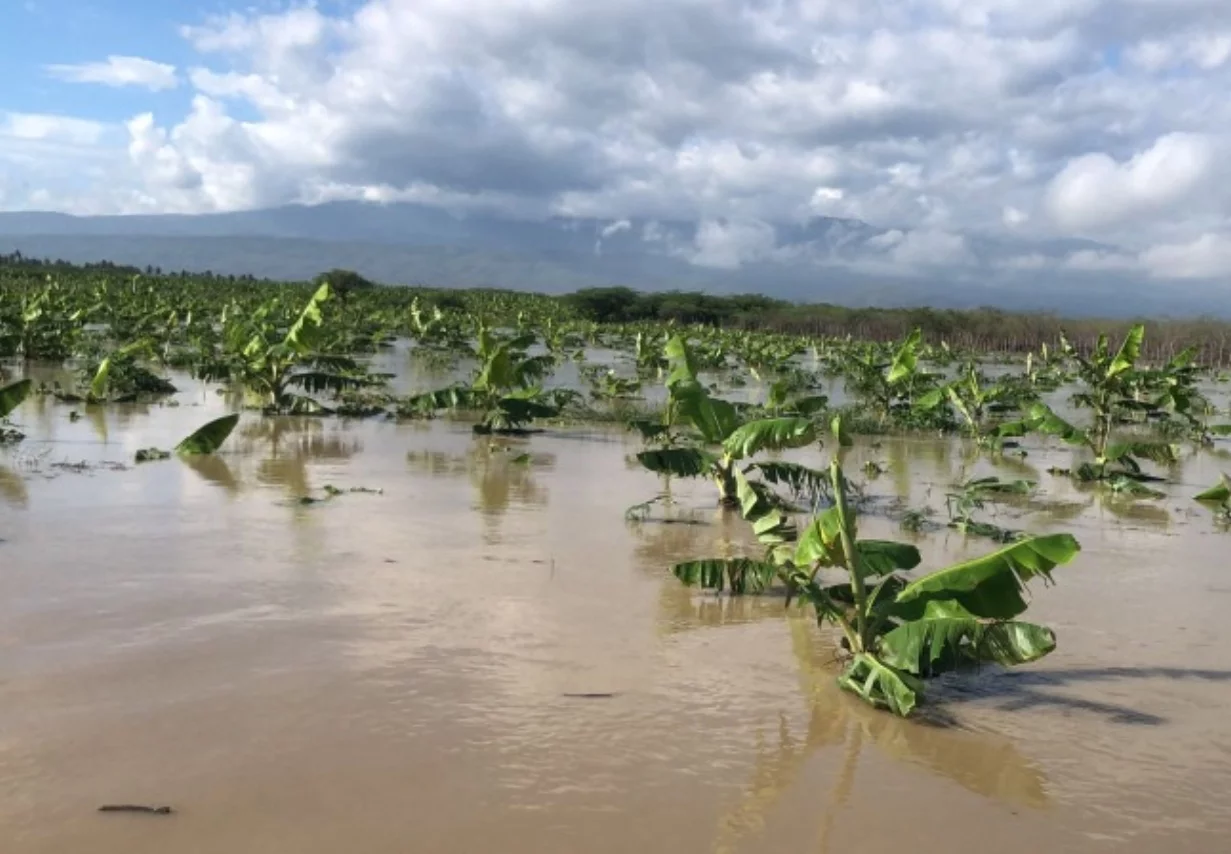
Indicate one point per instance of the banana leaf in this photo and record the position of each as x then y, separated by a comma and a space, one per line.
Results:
1218, 493
680, 462
12, 395
947, 637
769, 434
991, 586
208, 438
740, 575
881, 685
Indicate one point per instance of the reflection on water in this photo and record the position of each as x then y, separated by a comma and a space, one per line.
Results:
985, 764
387, 670
503, 472
12, 487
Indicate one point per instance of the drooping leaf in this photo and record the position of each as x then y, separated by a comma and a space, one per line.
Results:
1130, 350
680, 462
649, 430
1221, 491
1163, 453
1044, 420
880, 557
799, 479
947, 637
739, 575
991, 586
881, 685
714, 419
98, 387
906, 360
769, 524
931, 400
208, 438
838, 428
301, 337
820, 542
1123, 484
769, 434
13, 394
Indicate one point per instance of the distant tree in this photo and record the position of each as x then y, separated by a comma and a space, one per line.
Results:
343, 282
606, 305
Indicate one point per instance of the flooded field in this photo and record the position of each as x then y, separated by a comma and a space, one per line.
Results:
390, 671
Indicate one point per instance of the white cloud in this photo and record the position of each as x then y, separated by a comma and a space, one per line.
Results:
949, 124
1206, 257
727, 245
119, 71
42, 127
1094, 191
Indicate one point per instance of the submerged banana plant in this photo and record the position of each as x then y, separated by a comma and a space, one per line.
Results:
506, 388
284, 366
1116, 394
897, 631
705, 436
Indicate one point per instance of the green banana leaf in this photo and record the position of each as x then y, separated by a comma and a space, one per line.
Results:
799, 479
881, 685
12, 395
1044, 420
769, 434
208, 438
680, 462
906, 359
947, 637
740, 575
1130, 350
991, 586
1219, 492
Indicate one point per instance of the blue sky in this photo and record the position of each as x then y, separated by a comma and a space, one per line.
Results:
948, 123
38, 33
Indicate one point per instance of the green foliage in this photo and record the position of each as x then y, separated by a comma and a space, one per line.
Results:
12, 395
897, 631
208, 438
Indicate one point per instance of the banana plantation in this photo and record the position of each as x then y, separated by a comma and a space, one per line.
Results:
610, 549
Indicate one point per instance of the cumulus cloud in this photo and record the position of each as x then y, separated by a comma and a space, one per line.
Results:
119, 71
1094, 191
940, 122
1206, 257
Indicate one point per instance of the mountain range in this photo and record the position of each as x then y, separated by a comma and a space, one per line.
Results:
821, 260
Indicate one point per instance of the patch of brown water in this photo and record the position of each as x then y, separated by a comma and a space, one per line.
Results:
385, 672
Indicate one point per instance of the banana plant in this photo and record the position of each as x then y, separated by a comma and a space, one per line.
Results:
120, 378
976, 402
506, 387
897, 631
888, 387
705, 436
283, 367
1112, 392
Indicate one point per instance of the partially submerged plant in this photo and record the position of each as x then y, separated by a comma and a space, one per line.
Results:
705, 436
208, 438
973, 495
1218, 498
506, 387
283, 366
1113, 392
896, 631
11, 397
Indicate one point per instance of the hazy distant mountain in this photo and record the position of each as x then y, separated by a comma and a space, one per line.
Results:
823, 260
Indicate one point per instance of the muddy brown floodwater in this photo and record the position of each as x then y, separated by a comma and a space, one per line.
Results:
384, 673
